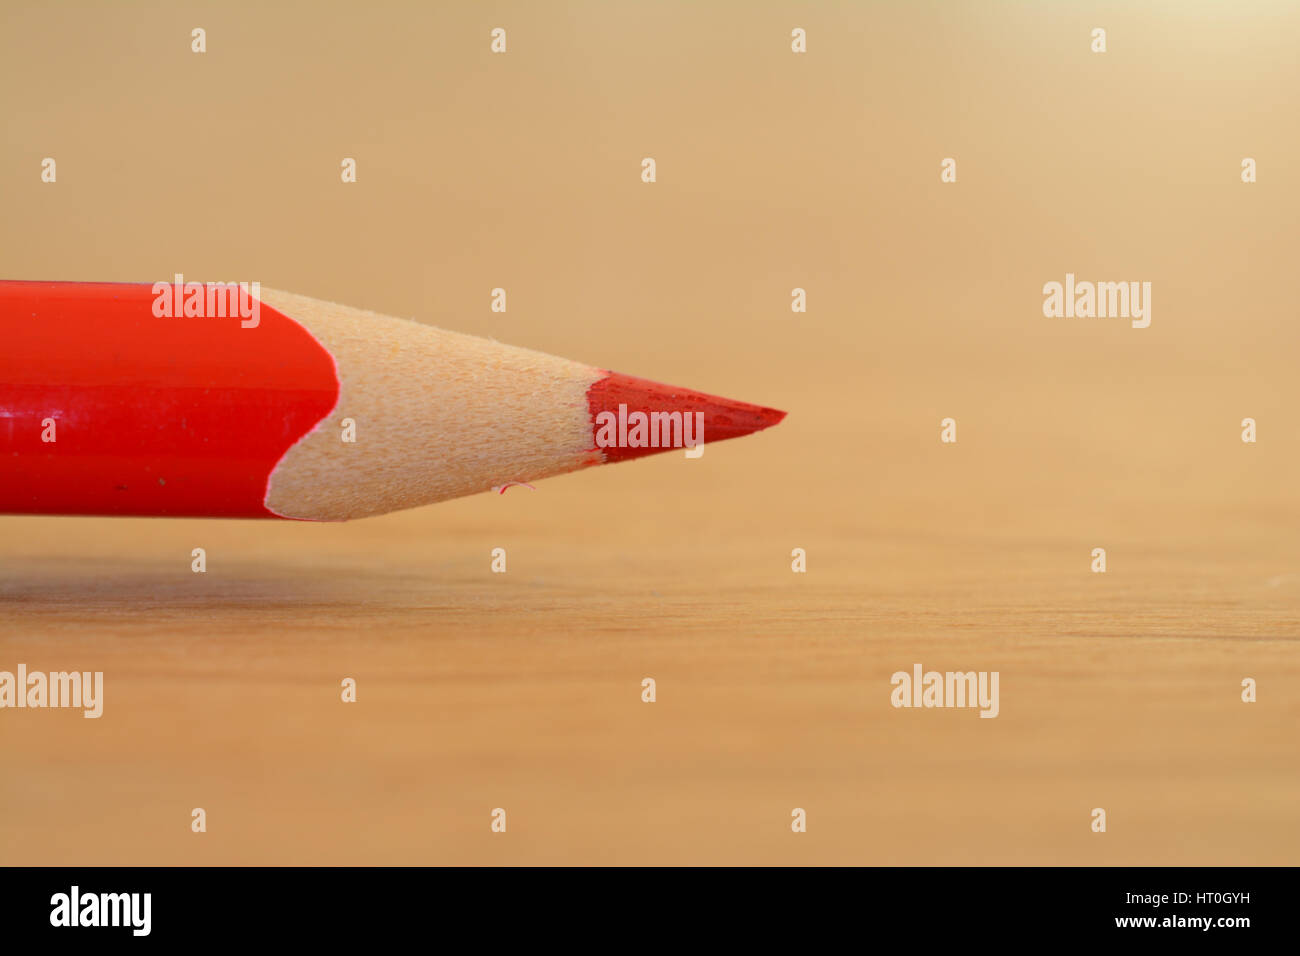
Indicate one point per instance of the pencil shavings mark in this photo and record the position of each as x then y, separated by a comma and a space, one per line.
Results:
501, 489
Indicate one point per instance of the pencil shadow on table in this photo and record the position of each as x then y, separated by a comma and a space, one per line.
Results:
48, 587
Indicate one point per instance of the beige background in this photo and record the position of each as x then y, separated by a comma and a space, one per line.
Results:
775, 170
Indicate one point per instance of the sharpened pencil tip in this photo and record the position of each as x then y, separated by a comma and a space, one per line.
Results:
621, 434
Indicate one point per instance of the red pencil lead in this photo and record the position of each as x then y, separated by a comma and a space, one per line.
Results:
633, 416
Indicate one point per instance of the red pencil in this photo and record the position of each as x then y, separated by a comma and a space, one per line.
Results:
205, 399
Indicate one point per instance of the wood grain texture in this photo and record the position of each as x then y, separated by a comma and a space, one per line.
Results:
522, 690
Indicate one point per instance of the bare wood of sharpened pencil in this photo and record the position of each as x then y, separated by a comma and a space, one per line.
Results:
438, 415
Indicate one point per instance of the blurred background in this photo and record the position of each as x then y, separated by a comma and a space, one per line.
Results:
775, 170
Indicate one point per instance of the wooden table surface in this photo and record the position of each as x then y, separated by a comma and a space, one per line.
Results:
522, 690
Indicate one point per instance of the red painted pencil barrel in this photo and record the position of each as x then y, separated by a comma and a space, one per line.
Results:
107, 407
